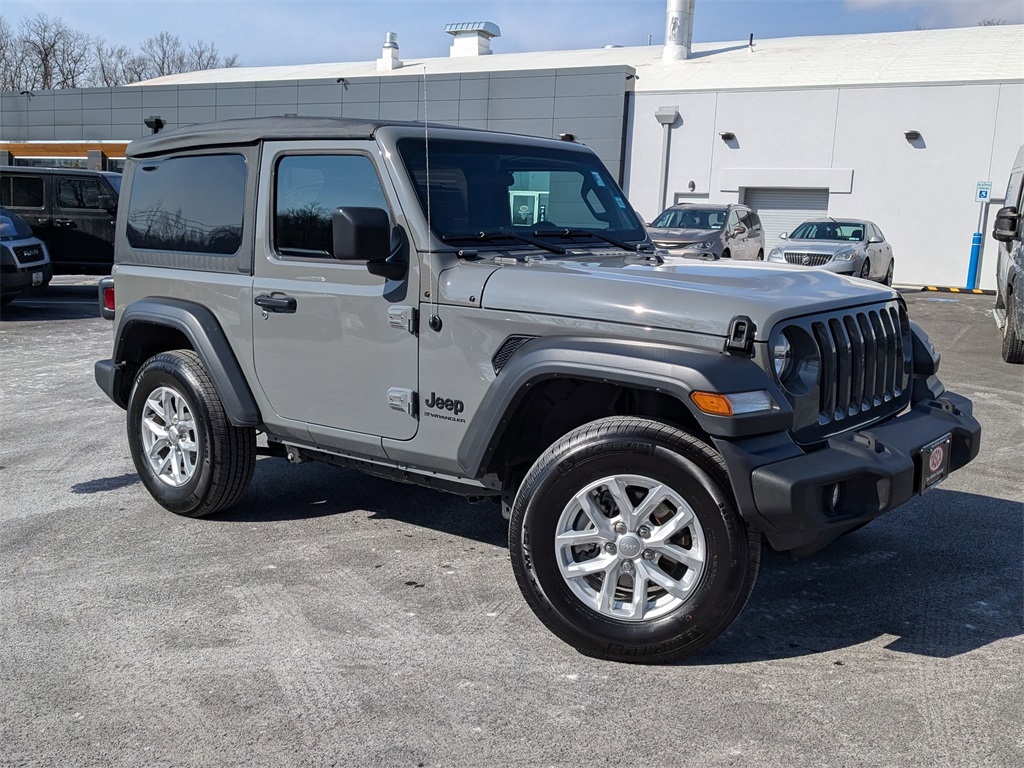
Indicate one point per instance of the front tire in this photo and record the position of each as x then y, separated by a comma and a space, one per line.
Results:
889, 273
627, 544
192, 460
1013, 344
865, 270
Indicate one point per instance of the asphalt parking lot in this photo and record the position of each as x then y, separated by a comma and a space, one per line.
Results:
337, 619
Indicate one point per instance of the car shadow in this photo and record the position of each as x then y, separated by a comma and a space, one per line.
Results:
940, 577
105, 484
280, 491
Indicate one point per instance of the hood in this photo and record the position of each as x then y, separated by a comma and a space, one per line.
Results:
818, 246
701, 297
667, 235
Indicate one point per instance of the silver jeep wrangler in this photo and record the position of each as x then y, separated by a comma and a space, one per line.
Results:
484, 314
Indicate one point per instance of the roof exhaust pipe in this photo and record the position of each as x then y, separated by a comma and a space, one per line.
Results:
389, 54
678, 30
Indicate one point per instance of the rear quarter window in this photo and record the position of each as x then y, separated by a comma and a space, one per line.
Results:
188, 204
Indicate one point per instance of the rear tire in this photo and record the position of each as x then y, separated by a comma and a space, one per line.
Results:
1013, 344
726, 254
760, 255
192, 460
627, 544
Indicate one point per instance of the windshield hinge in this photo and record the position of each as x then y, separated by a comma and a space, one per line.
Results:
401, 316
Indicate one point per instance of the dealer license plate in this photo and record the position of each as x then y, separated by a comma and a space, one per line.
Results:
37, 279
935, 462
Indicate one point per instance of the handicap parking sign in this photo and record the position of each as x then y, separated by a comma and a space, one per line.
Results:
983, 192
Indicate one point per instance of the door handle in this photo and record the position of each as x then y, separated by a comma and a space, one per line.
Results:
44, 221
66, 223
284, 304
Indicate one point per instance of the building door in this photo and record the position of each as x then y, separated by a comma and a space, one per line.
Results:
782, 210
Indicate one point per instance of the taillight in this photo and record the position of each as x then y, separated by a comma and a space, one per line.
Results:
108, 298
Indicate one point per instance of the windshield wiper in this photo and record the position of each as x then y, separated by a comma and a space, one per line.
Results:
589, 233
501, 234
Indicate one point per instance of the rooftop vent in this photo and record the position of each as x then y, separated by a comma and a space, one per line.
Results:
678, 30
389, 53
472, 38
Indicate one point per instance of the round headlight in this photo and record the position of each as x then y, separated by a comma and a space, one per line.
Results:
782, 356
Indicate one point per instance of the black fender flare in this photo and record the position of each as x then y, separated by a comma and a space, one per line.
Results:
643, 365
199, 325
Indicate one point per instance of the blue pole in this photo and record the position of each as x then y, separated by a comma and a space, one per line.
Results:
972, 270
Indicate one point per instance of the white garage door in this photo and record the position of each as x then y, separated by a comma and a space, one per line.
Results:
782, 210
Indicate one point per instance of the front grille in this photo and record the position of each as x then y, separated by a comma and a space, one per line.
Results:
865, 369
808, 259
28, 254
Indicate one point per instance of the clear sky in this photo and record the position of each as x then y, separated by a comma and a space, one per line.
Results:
307, 31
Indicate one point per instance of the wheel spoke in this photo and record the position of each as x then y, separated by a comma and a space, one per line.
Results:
655, 496
167, 406
638, 605
597, 516
158, 431
159, 445
663, 580
175, 456
688, 557
579, 538
164, 463
188, 466
587, 567
617, 490
606, 598
678, 522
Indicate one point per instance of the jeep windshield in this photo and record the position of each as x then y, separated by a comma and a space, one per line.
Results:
489, 191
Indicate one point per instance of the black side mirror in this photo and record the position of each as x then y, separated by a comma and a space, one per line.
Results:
364, 234
108, 204
1005, 228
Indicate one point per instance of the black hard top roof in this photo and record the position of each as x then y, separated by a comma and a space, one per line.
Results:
250, 130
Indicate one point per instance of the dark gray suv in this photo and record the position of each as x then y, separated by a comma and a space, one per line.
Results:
714, 231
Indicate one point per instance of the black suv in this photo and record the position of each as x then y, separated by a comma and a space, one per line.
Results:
71, 210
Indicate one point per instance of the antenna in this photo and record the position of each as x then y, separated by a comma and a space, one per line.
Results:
433, 284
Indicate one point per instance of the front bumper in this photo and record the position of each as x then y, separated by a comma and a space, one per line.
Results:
786, 491
18, 279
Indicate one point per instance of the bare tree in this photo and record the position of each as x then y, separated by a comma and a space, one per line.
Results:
46, 53
113, 66
991, 22
164, 54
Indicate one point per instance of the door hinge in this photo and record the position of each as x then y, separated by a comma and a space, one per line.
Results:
402, 400
401, 316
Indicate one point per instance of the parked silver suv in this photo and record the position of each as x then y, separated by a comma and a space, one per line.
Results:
365, 297
722, 231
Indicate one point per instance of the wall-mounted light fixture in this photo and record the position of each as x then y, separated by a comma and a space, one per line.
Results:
912, 135
154, 123
692, 185
727, 136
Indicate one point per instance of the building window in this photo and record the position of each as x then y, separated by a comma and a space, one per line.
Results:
309, 189
191, 204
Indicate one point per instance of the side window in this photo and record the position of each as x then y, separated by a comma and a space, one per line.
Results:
745, 220
755, 221
191, 204
22, 191
308, 190
732, 221
78, 193
877, 232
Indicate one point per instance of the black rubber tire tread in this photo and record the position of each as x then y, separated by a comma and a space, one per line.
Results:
625, 434
726, 254
230, 451
1013, 342
760, 255
889, 273
5, 300
865, 270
